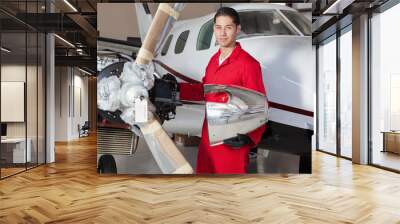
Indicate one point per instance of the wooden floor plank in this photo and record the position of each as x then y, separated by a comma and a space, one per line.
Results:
70, 191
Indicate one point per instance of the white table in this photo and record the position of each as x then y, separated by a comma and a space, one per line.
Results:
19, 149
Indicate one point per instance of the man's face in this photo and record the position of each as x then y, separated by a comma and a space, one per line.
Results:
225, 31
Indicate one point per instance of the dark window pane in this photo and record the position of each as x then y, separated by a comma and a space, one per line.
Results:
181, 42
205, 36
166, 46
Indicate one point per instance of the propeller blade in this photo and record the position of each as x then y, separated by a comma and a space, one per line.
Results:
239, 111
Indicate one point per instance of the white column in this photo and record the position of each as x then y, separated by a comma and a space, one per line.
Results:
50, 92
50, 100
360, 90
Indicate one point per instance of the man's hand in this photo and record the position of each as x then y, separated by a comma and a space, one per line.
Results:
238, 141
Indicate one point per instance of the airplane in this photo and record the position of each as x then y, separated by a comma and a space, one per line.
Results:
279, 38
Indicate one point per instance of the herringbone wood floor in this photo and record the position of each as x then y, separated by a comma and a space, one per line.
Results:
70, 191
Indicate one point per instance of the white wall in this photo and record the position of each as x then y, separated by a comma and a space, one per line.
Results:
61, 103
71, 93
33, 125
16, 73
79, 117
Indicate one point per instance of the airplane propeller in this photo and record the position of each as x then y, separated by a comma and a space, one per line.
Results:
129, 90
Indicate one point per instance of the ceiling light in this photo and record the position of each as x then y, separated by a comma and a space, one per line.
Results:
5, 50
70, 5
64, 40
338, 6
86, 72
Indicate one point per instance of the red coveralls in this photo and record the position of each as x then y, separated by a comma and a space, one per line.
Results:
239, 69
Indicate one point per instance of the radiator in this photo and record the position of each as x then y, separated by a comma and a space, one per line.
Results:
116, 141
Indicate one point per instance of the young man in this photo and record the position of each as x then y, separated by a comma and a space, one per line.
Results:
231, 65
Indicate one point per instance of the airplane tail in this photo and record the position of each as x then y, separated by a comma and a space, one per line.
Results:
144, 19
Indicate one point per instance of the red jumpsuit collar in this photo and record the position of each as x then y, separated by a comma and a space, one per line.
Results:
235, 53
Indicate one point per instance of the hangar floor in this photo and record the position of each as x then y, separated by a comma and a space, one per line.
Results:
70, 191
142, 161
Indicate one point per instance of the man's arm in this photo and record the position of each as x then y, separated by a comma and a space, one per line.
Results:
191, 91
252, 79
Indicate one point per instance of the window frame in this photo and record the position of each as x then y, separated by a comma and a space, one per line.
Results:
298, 29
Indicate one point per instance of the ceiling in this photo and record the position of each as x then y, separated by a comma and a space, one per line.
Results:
80, 24
110, 14
328, 16
76, 24
74, 21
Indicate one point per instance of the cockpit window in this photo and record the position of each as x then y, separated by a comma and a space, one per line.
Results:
301, 22
266, 23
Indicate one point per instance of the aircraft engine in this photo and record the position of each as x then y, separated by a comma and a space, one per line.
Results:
121, 83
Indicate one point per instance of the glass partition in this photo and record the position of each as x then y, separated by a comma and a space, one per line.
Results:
22, 67
346, 92
31, 98
385, 89
41, 97
327, 95
13, 95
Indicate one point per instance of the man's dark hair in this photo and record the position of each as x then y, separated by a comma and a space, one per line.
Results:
227, 11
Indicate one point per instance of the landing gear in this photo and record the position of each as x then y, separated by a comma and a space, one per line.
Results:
107, 164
